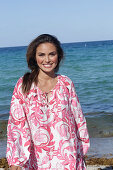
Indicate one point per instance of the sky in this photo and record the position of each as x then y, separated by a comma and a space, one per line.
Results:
69, 20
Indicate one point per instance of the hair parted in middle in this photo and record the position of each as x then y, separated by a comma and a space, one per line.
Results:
29, 78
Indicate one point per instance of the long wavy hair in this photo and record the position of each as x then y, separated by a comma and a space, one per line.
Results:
32, 76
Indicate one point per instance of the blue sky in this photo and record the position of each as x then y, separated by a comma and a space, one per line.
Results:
70, 20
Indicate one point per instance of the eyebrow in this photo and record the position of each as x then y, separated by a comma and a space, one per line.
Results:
41, 53
49, 53
53, 52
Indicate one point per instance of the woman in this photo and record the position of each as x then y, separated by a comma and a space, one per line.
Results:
46, 128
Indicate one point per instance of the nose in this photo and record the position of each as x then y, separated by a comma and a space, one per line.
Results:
47, 58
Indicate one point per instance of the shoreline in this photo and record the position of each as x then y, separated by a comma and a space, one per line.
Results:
92, 164
99, 156
99, 148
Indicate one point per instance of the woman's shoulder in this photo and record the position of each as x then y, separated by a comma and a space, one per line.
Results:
18, 86
65, 79
19, 82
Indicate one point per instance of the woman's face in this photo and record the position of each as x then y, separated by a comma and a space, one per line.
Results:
47, 57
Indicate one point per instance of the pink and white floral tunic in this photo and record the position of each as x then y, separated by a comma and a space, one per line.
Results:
43, 134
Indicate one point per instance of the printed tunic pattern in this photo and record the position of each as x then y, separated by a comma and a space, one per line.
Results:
42, 134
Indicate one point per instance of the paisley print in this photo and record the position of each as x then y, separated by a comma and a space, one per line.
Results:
44, 134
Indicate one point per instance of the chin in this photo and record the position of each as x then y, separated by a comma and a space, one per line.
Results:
49, 71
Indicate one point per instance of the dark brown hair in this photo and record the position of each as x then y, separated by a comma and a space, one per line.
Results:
31, 77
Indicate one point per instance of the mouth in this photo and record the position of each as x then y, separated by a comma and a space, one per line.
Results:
47, 65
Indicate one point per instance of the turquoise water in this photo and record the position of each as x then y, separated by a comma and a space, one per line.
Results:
88, 64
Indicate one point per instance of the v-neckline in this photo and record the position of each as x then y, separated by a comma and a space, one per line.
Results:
42, 92
45, 95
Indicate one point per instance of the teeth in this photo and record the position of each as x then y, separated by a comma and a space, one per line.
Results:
47, 65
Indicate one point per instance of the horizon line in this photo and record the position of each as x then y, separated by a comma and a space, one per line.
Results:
61, 43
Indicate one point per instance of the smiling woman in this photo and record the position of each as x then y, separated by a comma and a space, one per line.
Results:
43, 47
46, 127
47, 58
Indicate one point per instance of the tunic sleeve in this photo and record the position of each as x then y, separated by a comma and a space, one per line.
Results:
18, 132
81, 127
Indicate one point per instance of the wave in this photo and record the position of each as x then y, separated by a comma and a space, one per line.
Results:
100, 124
4, 116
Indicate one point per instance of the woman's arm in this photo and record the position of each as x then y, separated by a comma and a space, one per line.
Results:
82, 132
18, 132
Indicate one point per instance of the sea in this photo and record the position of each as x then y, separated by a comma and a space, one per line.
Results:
88, 64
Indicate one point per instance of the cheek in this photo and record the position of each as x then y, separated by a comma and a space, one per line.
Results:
39, 60
55, 60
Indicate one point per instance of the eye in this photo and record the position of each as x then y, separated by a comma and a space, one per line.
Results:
53, 53
41, 54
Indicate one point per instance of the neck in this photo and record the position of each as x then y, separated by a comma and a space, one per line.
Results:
46, 76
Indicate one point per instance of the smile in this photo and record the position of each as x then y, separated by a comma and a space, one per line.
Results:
47, 65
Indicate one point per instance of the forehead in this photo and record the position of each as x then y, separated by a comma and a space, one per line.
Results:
46, 47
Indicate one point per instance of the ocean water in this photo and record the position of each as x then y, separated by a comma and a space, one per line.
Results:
88, 64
